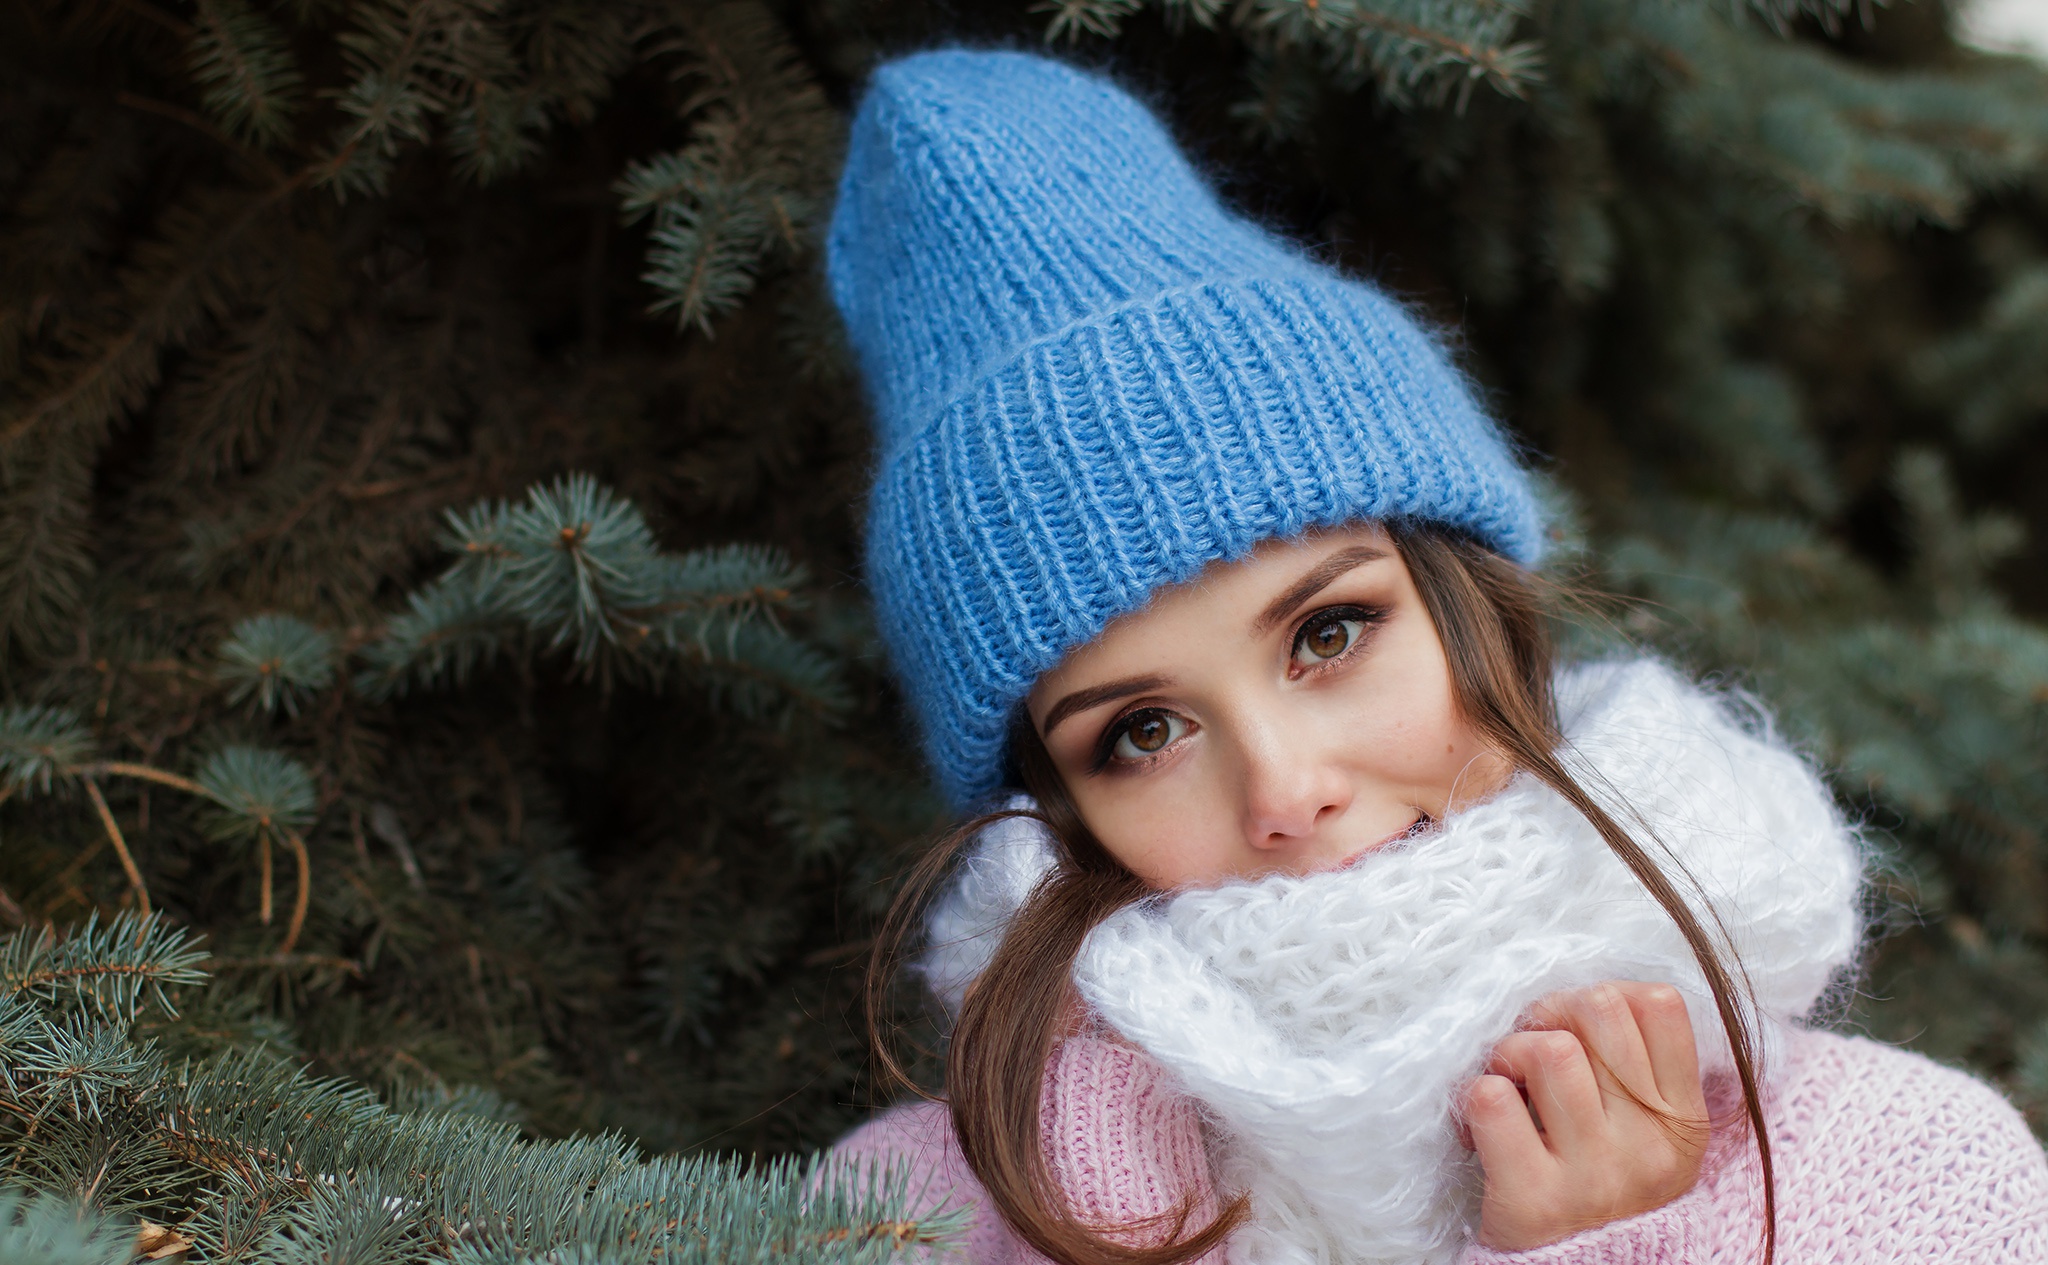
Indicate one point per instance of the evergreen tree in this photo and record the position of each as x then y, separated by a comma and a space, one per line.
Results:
430, 479
116, 1107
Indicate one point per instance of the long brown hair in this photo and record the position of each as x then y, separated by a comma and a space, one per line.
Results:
1490, 616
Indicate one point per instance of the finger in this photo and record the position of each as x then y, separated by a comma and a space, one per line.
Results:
1563, 1092
1504, 1134
1666, 1026
1605, 1023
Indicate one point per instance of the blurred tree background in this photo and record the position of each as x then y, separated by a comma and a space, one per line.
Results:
430, 479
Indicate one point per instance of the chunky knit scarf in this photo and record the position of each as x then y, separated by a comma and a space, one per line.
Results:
1327, 1023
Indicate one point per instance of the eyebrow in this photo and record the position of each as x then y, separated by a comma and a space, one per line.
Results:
1318, 578
1097, 695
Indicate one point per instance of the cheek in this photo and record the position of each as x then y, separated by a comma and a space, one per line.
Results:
1399, 720
1170, 831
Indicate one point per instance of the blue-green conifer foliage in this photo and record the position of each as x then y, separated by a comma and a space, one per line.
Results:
439, 713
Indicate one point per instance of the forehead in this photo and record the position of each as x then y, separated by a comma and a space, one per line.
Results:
1268, 569
1225, 598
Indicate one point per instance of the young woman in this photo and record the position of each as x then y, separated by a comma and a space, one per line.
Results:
1335, 924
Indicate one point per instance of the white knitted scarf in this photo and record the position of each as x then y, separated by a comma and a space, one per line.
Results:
1327, 1023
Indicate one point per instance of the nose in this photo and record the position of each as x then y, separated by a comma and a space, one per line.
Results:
1291, 788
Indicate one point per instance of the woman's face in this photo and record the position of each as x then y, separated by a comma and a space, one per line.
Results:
1286, 713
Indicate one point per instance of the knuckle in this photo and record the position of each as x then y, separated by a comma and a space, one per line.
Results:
1521, 1046
1606, 1005
1573, 999
1491, 1093
1665, 1001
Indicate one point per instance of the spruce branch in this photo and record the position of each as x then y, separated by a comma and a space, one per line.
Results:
574, 568
750, 182
1953, 550
415, 63
1993, 376
1204, 13
39, 744
393, 96
1405, 47
49, 1230
45, 556
352, 1175
104, 368
670, 177
448, 630
201, 124
179, 281
250, 78
258, 791
265, 797
1836, 137
233, 395
78, 1067
117, 966
703, 252
576, 556
1072, 19
759, 672
496, 132
276, 661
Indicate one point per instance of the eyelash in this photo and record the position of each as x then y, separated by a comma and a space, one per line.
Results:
1370, 616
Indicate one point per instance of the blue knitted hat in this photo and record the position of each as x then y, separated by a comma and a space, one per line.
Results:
1091, 380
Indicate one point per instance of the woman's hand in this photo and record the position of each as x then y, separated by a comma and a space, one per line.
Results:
1593, 1114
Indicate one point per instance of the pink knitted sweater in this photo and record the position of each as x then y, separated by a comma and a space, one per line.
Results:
1881, 1156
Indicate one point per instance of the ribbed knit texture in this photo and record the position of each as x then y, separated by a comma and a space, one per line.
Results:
1881, 1156
1091, 380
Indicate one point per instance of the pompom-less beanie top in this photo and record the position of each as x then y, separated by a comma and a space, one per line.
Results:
1090, 380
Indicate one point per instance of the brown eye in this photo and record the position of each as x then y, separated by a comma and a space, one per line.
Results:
1325, 639
1147, 733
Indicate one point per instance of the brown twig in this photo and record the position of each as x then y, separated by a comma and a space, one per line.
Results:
39, 979
99, 803
263, 869
304, 894
148, 773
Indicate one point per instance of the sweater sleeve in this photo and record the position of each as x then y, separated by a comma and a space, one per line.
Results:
1124, 1142
1891, 1156
1126, 1146
918, 1139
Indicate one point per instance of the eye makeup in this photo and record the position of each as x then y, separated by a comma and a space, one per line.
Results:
1105, 758
1368, 619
